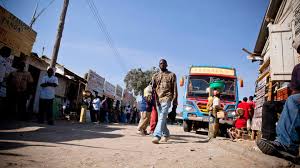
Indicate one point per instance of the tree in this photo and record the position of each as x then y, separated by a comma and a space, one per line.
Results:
137, 80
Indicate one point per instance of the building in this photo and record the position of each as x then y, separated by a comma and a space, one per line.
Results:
17, 36
273, 48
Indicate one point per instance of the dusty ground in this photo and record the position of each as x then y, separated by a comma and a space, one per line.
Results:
88, 145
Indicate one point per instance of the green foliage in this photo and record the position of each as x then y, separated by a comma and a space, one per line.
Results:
137, 80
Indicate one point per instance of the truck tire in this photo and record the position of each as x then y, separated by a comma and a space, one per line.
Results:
187, 126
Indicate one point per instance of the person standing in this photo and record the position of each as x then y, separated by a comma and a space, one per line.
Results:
165, 85
128, 113
247, 111
47, 95
95, 113
19, 88
215, 104
97, 105
145, 110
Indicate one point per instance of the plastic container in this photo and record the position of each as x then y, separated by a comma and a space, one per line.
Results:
218, 84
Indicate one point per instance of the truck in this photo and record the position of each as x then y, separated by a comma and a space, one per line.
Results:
194, 112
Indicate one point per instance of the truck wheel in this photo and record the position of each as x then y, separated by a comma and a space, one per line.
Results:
187, 126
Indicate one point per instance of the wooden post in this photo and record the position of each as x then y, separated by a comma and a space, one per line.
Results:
59, 33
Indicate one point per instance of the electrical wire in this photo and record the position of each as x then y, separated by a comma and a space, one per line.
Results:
104, 29
39, 14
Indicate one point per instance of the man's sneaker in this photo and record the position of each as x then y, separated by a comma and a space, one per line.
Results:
164, 139
275, 148
155, 140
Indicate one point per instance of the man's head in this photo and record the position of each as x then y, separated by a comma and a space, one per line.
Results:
216, 92
245, 99
295, 81
251, 98
163, 65
296, 44
50, 72
21, 66
5, 52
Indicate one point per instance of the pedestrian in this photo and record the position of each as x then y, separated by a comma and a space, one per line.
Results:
97, 105
145, 110
47, 95
251, 112
19, 89
95, 112
287, 141
5, 53
214, 106
127, 113
133, 115
246, 107
165, 85
252, 106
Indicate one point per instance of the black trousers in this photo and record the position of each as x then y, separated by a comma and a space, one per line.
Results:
17, 102
46, 107
269, 118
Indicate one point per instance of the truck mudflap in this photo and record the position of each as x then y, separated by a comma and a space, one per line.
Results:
206, 119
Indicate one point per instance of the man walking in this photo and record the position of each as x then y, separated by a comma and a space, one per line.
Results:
47, 95
19, 87
164, 83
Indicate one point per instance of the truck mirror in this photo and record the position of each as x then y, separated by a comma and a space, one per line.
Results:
241, 83
181, 82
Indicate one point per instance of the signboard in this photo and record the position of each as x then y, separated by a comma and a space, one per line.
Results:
14, 33
127, 98
211, 70
119, 91
109, 89
95, 82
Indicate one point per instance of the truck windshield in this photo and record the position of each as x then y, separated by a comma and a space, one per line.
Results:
198, 84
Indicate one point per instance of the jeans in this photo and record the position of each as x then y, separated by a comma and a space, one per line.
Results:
289, 123
161, 127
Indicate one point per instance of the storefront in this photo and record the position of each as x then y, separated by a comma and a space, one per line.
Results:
19, 38
280, 26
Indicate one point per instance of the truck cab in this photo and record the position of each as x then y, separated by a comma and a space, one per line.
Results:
194, 112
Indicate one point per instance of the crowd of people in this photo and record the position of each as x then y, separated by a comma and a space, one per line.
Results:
103, 109
158, 97
244, 115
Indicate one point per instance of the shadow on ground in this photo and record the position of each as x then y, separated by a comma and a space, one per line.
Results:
60, 133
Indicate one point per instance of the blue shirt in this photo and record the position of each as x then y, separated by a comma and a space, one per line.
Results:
49, 91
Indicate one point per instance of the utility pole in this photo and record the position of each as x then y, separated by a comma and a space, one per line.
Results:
59, 33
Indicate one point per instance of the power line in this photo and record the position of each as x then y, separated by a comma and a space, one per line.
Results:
3, 3
39, 14
104, 29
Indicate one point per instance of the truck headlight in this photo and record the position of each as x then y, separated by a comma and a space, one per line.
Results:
189, 108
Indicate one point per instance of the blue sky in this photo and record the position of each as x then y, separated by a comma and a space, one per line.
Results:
192, 32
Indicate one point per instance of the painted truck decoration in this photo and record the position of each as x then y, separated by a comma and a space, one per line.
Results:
194, 113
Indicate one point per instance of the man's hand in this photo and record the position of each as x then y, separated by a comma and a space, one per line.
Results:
44, 84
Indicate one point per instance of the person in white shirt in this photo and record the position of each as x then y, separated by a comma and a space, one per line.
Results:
128, 113
97, 105
47, 95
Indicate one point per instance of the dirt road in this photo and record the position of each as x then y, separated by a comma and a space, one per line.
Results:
89, 145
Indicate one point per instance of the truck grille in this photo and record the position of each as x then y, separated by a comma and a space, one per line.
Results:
202, 107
